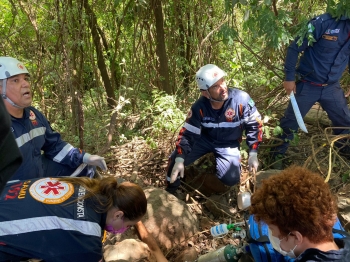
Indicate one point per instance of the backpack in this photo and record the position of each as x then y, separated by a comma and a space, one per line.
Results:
261, 248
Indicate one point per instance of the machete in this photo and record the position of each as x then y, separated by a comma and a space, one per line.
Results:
297, 112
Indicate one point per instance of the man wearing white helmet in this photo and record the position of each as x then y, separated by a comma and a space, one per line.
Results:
215, 123
33, 133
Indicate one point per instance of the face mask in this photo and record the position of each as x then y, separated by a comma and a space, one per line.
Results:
110, 229
276, 244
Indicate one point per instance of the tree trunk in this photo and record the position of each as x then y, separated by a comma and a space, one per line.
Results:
99, 53
163, 68
185, 52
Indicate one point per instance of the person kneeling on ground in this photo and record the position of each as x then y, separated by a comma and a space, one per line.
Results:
62, 219
300, 211
215, 124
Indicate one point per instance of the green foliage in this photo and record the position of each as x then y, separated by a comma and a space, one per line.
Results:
263, 22
277, 131
250, 45
271, 124
296, 139
338, 8
228, 34
345, 177
163, 115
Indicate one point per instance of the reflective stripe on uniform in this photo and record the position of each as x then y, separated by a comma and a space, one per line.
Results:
21, 140
223, 124
58, 158
192, 128
34, 224
79, 169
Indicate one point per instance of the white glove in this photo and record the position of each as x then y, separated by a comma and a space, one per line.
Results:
179, 167
95, 160
253, 161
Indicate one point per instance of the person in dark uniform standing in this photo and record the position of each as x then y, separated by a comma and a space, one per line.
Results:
320, 68
215, 123
62, 219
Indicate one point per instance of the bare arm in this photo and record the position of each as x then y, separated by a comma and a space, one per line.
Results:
147, 238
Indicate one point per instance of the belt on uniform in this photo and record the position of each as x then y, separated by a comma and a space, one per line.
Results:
313, 83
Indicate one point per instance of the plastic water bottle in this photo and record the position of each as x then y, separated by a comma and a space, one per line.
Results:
221, 229
227, 253
243, 200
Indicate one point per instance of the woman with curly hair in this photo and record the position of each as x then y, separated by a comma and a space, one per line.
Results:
62, 219
300, 211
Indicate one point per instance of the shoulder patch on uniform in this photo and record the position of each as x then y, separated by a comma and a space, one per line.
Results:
51, 191
310, 27
189, 114
251, 102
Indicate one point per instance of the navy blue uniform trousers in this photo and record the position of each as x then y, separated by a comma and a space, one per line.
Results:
332, 100
228, 162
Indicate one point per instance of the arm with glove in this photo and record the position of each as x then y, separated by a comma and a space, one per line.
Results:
253, 161
178, 169
188, 134
64, 153
253, 130
95, 160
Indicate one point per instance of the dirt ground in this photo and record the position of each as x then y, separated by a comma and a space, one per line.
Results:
137, 162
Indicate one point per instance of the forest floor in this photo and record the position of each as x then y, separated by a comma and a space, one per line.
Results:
135, 161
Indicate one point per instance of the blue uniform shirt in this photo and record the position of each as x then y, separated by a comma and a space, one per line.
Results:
40, 218
224, 127
33, 135
324, 61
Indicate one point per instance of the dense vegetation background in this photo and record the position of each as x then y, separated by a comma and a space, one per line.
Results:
104, 72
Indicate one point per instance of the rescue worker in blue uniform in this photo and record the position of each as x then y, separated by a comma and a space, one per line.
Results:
34, 134
215, 123
320, 68
62, 219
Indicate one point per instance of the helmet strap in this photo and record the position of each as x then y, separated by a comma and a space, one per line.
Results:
3, 89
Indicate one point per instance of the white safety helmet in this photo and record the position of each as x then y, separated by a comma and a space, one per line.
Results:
10, 66
208, 75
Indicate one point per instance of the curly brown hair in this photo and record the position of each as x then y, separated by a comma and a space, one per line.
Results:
296, 199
